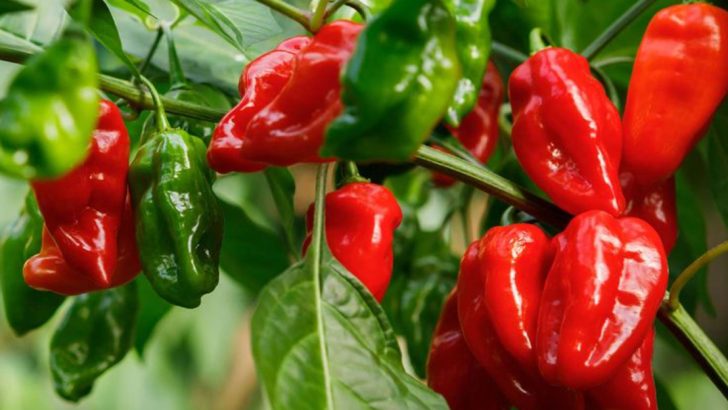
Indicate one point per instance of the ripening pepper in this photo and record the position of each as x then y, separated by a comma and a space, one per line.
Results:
566, 132
679, 79
398, 84
632, 387
25, 308
454, 372
600, 298
178, 219
50, 110
656, 206
83, 209
473, 49
360, 222
478, 131
505, 345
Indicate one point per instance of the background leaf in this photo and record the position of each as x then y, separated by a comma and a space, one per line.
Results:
213, 18
283, 187
12, 6
136, 7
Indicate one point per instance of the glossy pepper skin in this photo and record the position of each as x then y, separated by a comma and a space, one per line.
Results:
96, 333
454, 372
50, 110
25, 308
600, 298
632, 387
670, 102
178, 219
360, 222
478, 131
398, 84
566, 132
83, 209
505, 345
656, 206
473, 49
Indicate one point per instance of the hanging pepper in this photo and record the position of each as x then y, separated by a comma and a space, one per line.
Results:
478, 131
632, 387
473, 49
601, 296
566, 132
454, 372
505, 345
25, 308
83, 209
360, 222
398, 84
95, 334
656, 206
178, 219
679, 79
50, 110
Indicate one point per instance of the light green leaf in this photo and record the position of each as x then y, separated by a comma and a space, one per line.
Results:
214, 19
135, 7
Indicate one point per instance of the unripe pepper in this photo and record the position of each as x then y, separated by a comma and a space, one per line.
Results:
566, 132
679, 79
656, 206
453, 371
478, 131
360, 222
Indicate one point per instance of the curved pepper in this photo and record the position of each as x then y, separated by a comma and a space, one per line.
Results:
632, 387
454, 372
50, 110
83, 209
473, 48
670, 102
25, 308
360, 222
601, 296
566, 132
178, 220
656, 206
478, 131
523, 387
398, 84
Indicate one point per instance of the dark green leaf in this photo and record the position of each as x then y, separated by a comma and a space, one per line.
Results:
152, 308
12, 6
282, 188
718, 160
208, 14
664, 401
411, 188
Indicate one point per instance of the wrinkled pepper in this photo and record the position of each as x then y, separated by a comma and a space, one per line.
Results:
83, 209
679, 79
478, 131
453, 371
656, 206
50, 110
398, 84
96, 333
25, 308
600, 298
178, 219
360, 222
276, 122
473, 48
566, 133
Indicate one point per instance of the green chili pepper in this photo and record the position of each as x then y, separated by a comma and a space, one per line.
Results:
179, 221
473, 48
95, 334
398, 84
25, 308
50, 110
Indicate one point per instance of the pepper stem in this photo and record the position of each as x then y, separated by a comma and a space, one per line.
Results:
161, 116
318, 15
351, 173
691, 270
537, 41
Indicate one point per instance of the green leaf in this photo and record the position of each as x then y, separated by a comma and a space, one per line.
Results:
283, 187
214, 19
13, 6
251, 254
152, 309
664, 400
718, 160
135, 7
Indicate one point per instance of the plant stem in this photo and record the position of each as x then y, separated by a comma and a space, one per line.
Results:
293, 13
509, 53
615, 28
691, 270
318, 15
152, 51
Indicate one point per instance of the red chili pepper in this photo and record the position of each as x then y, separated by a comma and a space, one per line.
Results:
566, 132
49, 270
287, 107
632, 387
478, 131
453, 371
679, 79
261, 82
83, 209
520, 252
601, 296
656, 206
360, 222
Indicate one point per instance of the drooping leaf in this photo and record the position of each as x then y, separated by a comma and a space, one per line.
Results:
214, 19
